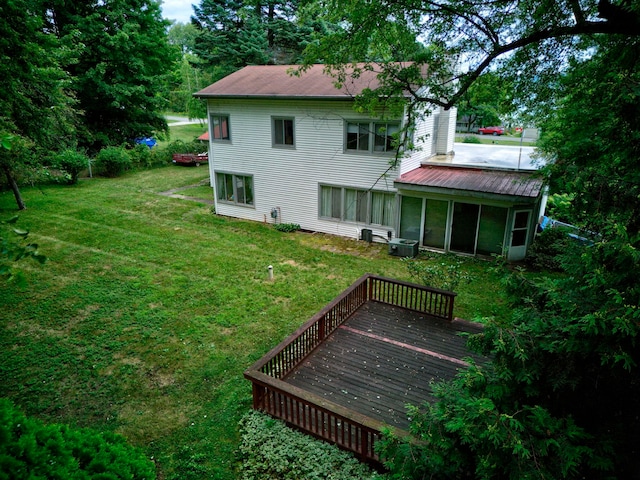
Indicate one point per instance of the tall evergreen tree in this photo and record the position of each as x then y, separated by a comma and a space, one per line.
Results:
123, 53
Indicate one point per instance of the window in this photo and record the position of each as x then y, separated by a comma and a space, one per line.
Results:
371, 136
357, 205
233, 188
357, 136
386, 136
283, 134
220, 127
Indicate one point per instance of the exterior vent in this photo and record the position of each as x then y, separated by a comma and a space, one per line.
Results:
401, 247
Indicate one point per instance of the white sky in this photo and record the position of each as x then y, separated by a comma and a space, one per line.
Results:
178, 10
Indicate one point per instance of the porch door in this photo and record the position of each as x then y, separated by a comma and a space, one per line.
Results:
519, 234
435, 223
410, 218
464, 227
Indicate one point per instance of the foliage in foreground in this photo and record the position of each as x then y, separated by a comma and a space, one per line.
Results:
13, 248
270, 450
30, 449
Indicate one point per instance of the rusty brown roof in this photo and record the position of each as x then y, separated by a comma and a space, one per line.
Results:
483, 180
278, 81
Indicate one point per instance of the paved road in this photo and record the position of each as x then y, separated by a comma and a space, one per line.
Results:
174, 120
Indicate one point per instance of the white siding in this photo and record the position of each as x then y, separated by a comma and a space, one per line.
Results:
288, 179
423, 139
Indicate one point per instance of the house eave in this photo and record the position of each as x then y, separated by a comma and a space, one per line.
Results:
449, 192
343, 98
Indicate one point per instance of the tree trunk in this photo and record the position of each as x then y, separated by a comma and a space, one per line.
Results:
14, 187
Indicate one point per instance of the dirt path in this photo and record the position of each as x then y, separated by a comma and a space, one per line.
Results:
173, 193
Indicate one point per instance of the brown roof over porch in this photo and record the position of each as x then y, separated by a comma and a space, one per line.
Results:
466, 180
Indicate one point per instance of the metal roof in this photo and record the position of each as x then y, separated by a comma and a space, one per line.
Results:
482, 180
279, 81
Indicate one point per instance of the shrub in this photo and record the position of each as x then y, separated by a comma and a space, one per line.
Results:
113, 161
271, 450
141, 156
286, 227
164, 155
444, 271
71, 162
31, 449
547, 250
470, 139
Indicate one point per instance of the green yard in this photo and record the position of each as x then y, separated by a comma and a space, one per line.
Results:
150, 308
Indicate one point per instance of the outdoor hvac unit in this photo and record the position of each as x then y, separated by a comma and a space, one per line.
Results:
401, 247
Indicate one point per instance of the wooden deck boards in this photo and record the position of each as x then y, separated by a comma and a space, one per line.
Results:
381, 359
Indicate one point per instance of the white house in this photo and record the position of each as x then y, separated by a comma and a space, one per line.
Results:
292, 149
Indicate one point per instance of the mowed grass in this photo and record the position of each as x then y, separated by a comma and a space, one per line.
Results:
150, 308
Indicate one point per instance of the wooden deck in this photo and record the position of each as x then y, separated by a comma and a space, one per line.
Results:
350, 370
383, 358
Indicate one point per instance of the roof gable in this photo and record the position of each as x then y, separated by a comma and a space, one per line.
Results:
482, 180
279, 81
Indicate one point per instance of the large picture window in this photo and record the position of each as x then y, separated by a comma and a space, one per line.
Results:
283, 132
371, 136
358, 205
220, 127
232, 188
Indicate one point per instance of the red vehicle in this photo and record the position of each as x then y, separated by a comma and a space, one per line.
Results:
491, 131
190, 158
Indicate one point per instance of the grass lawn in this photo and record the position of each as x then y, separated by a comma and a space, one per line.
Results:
186, 133
150, 308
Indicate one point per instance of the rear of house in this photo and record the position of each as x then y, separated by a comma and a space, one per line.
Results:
292, 149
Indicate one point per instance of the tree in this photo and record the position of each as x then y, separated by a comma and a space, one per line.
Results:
31, 449
122, 55
236, 33
486, 102
36, 114
534, 38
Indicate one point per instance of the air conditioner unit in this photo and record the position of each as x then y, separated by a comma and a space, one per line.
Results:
401, 247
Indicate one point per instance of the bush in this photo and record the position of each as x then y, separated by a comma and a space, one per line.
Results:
71, 162
444, 271
271, 450
286, 227
141, 156
113, 161
164, 155
31, 449
470, 139
547, 250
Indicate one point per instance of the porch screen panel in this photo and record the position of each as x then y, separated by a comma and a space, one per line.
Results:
464, 228
435, 223
410, 217
493, 222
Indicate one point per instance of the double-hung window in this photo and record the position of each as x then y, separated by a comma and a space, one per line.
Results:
283, 134
371, 136
236, 189
357, 205
219, 127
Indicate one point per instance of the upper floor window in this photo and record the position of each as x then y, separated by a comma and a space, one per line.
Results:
283, 132
371, 136
232, 188
220, 126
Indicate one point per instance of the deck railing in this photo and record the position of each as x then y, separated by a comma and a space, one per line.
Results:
313, 414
